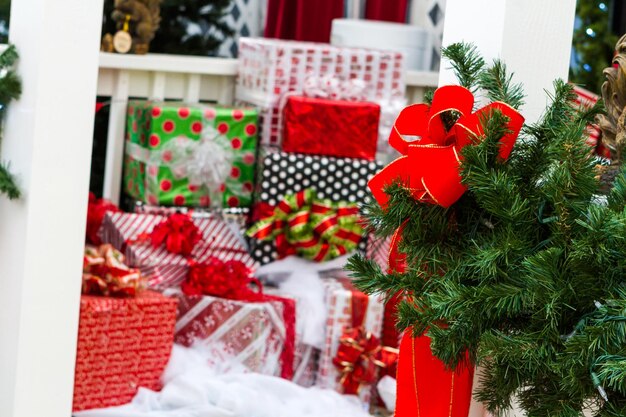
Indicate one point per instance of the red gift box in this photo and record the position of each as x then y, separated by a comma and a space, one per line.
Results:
165, 269
123, 344
259, 336
330, 127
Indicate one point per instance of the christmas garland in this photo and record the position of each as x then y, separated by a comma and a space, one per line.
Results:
10, 89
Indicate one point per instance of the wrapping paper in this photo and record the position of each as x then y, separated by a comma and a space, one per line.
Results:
190, 155
164, 269
339, 293
250, 335
194, 388
330, 127
123, 344
332, 178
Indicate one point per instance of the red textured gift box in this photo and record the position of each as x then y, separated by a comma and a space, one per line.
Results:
330, 127
123, 344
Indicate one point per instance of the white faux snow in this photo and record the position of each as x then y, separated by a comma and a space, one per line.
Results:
194, 389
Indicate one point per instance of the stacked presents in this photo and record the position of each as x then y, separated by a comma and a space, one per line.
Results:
243, 218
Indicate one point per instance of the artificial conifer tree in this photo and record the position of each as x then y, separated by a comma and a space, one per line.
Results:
525, 273
10, 89
192, 27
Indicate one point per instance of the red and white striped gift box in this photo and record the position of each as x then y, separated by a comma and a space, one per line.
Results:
165, 269
251, 336
586, 99
339, 292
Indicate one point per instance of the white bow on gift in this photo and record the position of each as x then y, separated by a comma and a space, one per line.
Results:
333, 88
206, 162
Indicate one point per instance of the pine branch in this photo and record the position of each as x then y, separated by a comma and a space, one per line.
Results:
499, 85
8, 184
466, 63
8, 57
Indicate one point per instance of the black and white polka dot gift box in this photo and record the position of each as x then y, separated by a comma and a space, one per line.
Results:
337, 179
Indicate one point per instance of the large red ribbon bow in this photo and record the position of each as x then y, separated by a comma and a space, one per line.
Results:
226, 279
178, 233
430, 166
358, 358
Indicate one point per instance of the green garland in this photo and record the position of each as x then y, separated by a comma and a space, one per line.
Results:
10, 89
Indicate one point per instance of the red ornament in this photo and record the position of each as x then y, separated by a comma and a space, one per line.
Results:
178, 233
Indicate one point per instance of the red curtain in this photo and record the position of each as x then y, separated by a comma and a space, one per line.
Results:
302, 20
387, 10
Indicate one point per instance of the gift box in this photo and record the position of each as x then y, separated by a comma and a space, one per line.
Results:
129, 232
336, 179
269, 69
182, 155
123, 344
330, 127
348, 308
254, 336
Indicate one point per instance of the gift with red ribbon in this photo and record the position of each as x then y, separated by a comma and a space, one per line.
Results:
96, 209
164, 247
314, 229
352, 349
218, 281
429, 169
104, 273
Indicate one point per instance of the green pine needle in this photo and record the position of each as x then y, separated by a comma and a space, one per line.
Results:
8, 184
466, 63
499, 85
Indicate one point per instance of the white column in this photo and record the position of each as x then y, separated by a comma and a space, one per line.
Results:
48, 139
533, 37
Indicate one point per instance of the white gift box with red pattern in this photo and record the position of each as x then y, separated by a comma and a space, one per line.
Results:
165, 269
339, 293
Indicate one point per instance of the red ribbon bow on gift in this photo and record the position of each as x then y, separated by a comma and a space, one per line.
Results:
96, 210
104, 273
430, 167
178, 233
358, 358
230, 279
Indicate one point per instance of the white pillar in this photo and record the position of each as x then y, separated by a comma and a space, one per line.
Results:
48, 139
533, 37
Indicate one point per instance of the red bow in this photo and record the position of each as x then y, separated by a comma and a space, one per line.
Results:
104, 273
358, 358
96, 210
429, 167
178, 232
230, 279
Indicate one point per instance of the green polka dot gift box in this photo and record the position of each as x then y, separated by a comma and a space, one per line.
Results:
190, 155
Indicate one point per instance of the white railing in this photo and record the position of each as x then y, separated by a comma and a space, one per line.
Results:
174, 77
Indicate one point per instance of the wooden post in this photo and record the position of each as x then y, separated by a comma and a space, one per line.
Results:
533, 37
48, 142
